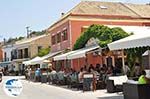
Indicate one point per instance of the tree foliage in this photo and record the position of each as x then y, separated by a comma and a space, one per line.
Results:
43, 52
135, 55
103, 33
37, 33
12, 40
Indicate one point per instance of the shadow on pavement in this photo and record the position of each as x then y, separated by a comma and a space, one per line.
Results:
111, 97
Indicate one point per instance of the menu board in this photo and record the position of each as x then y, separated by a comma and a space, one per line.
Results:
87, 81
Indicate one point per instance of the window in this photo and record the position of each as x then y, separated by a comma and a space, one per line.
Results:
64, 35
26, 53
39, 48
20, 54
53, 39
58, 37
5, 56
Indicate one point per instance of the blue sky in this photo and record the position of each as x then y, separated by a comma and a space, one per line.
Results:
15, 15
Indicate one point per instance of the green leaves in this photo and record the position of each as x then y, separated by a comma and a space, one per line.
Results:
103, 33
43, 52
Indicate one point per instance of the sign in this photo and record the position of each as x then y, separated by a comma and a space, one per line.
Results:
92, 41
13, 87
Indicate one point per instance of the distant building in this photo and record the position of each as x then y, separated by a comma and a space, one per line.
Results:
1, 53
71, 25
24, 50
27, 49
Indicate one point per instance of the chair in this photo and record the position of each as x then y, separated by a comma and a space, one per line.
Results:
44, 78
54, 78
87, 81
61, 80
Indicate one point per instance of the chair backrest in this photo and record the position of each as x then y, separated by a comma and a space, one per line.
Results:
54, 76
119, 80
60, 76
50, 76
74, 77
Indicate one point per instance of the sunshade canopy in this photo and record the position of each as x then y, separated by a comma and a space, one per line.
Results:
140, 38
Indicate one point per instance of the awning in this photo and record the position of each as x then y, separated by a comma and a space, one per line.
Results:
35, 60
50, 55
81, 52
32, 61
63, 56
3, 64
26, 62
140, 38
39, 60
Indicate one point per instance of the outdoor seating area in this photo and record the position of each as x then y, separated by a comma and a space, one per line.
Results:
87, 79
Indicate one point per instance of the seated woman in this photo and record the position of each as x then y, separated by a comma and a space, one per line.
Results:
143, 79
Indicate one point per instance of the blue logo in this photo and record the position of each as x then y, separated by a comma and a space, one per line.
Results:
13, 87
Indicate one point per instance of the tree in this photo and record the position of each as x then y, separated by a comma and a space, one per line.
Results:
43, 52
103, 33
12, 40
37, 33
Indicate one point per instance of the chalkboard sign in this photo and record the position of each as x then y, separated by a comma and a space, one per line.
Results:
87, 81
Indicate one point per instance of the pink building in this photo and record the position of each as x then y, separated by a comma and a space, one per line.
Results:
70, 26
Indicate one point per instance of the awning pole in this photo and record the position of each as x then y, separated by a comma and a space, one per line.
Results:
123, 60
78, 63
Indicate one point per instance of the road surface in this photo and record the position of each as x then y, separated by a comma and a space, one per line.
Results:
32, 90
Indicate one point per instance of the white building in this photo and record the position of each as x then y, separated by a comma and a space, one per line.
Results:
7, 57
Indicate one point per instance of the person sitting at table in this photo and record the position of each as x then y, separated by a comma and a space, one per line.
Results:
143, 79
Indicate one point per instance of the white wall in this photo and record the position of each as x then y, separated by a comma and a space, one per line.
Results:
8, 50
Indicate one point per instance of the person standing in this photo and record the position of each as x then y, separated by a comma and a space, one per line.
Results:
29, 74
137, 70
37, 74
126, 69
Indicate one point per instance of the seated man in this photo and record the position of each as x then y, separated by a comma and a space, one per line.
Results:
143, 79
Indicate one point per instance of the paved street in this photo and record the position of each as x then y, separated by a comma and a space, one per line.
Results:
44, 91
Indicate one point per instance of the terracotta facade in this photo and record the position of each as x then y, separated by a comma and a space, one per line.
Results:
1, 55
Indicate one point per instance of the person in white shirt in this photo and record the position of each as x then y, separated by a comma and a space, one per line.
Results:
126, 69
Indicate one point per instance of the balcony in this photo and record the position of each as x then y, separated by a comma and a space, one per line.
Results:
5, 59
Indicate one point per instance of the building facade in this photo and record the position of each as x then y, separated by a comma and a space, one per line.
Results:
27, 49
68, 29
1, 52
